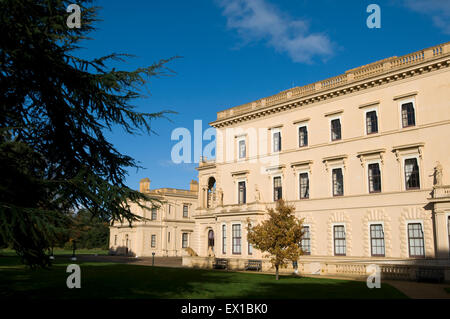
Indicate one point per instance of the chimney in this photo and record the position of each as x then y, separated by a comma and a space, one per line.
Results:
144, 185
194, 186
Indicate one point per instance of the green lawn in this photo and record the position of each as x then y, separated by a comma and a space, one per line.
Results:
121, 281
61, 251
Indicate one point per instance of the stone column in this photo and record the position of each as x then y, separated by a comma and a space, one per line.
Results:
442, 239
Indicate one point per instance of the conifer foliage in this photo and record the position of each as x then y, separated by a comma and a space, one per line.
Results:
279, 236
54, 110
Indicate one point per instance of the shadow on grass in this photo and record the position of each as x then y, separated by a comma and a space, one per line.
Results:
121, 281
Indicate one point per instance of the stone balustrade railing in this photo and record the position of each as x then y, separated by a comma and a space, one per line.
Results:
354, 75
441, 191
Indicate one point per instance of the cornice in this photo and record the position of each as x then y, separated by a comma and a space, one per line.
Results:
359, 79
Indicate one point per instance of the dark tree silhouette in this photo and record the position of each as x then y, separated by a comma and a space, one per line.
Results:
54, 109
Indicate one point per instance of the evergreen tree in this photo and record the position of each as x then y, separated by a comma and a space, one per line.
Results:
279, 236
54, 109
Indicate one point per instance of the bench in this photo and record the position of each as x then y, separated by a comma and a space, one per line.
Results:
220, 263
253, 264
430, 274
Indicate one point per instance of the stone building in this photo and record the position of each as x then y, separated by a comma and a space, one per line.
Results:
168, 228
363, 157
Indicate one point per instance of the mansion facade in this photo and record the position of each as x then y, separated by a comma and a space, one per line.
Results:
363, 157
167, 228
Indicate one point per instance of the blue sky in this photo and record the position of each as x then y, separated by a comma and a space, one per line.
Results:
237, 51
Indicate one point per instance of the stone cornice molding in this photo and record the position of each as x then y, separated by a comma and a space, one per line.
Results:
332, 113
239, 173
342, 158
362, 78
363, 155
401, 148
374, 103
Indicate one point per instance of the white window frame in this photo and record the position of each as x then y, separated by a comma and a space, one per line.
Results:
447, 216
187, 239
415, 221
332, 167
403, 159
404, 101
346, 239
365, 120
182, 214
367, 163
310, 239
303, 171
250, 224
238, 140
273, 185
151, 240
272, 133
370, 239
232, 224
243, 179
224, 251
331, 118
299, 125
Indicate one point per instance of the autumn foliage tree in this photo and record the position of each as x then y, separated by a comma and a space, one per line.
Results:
279, 236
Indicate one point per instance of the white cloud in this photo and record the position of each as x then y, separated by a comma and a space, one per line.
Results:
258, 20
438, 10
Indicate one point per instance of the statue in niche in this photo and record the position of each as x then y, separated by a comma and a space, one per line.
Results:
257, 194
437, 174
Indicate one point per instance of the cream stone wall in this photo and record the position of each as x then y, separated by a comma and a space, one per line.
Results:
422, 78
168, 227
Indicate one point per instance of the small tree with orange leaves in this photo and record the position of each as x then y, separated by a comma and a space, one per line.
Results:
279, 236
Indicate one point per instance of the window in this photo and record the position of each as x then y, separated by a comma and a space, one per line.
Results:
153, 241
236, 229
185, 210
304, 185
242, 192
302, 136
154, 214
184, 240
448, 232
276, 141
339, 241
415, 239
224, 239
306, 241
408, 117
277, 188
335, 129
371, 122
377, 240
242, 150
338, 182
412, 174
168, 237
249, 247
115, 240
374, 178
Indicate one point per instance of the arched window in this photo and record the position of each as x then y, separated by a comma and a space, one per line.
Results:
211, 192
210, 238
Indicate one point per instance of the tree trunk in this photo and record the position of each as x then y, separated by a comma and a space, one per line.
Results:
276, 272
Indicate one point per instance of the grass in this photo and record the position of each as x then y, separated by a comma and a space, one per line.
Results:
61, 252
122, 281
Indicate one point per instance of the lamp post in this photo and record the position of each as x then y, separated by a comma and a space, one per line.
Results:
74, 248
295, 266
153, 258
51, 253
